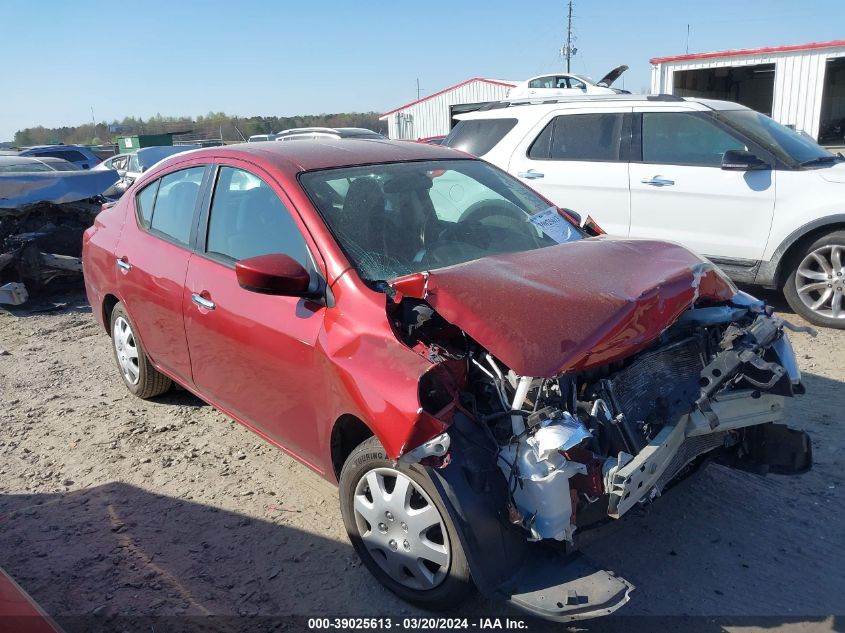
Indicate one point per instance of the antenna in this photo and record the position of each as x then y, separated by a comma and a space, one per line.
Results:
568, 50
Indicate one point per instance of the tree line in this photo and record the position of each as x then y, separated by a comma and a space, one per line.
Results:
214, 125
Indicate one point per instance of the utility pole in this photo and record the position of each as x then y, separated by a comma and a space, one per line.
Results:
94, 123
687, 39
419, 90
568, 50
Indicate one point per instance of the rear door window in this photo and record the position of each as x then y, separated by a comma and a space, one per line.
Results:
174, 200
479, 136
588, 137
248, 219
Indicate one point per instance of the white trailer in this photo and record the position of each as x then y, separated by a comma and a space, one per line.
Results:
801, 86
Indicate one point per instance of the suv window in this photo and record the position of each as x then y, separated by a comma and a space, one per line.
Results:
478, 136
175, 198
68, 154
248, 219
680, 138
579, 137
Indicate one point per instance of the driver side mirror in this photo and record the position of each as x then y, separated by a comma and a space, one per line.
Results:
741, 160
275, 274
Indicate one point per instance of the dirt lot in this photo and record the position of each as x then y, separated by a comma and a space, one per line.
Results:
111, 505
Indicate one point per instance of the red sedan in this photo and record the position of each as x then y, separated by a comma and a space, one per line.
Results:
480, 375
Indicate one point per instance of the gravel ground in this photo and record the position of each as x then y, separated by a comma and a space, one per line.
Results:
113, 505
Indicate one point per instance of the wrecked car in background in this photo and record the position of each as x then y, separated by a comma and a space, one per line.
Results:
482, 377
43, 214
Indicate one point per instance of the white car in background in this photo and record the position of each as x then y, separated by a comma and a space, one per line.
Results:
304, 133
132, 164
565, 85
760, 200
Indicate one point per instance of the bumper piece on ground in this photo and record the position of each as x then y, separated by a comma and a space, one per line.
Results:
572, 588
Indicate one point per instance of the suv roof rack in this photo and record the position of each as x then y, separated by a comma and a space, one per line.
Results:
507, 103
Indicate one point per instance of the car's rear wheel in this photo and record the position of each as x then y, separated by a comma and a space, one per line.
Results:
815, 287
401, 530
138, 373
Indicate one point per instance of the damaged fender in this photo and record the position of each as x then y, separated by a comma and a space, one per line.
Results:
533, 577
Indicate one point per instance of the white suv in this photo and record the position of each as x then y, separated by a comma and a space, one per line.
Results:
762, 201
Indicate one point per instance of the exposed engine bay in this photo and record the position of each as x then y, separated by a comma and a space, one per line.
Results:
590, 444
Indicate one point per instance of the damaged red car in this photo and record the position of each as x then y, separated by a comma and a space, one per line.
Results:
482, 377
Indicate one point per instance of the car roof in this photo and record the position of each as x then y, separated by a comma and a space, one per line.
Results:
535, 105
326, 153
339, 131
14, 159
59, 146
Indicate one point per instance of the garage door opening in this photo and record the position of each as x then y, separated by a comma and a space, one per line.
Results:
752, 86
832, 118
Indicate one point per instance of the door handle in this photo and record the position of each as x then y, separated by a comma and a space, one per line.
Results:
658, 181
202, 301
530, 174
122, 263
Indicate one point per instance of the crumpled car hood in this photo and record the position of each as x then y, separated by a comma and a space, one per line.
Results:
571, 306
58, 187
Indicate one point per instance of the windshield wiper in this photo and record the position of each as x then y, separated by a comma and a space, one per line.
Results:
820, 160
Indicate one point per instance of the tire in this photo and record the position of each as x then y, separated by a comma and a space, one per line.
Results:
138, 373
815, 286
387, 548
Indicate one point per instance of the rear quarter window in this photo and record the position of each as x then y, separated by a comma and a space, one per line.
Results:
479, 136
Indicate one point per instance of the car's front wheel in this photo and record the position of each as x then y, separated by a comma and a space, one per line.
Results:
815, 287
138, 373
401, 530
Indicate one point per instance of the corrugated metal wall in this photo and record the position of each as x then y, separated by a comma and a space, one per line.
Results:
799, 81
430, 117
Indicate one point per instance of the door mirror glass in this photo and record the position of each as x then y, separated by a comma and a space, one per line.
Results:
275, 274
742, 160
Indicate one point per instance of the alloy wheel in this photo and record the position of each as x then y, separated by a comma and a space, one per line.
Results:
126, 350
402, 529
820, 281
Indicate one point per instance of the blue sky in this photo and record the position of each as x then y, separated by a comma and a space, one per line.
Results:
184, 57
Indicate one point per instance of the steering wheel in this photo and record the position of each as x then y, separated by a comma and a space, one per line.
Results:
443, 253
483, 209
457, 235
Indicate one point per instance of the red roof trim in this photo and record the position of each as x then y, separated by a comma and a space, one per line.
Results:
750, 51
463, 83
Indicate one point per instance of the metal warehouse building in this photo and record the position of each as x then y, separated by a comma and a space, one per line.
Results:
432, 115
801, 86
